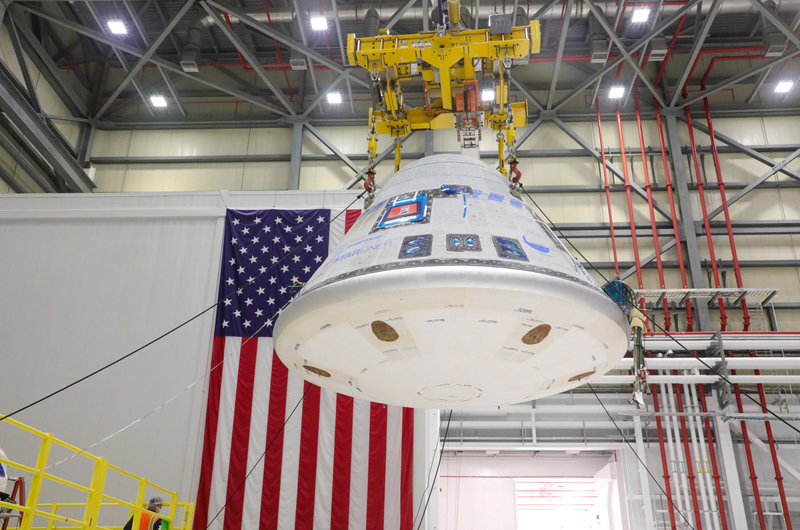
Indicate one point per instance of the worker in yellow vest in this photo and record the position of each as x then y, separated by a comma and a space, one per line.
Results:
148, 520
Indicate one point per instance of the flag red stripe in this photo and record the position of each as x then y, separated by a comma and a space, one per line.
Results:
376, 481
342, 461
240, 435
210, 435
307, 471
407, 476
271, 485
350, 218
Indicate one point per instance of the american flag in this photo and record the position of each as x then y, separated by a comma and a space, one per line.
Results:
339, 462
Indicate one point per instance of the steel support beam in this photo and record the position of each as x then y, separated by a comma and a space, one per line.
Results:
696, 47
12, 182
324, 92
529, 130
639, 44
399, 13
333, 149
296, 156
527, 94
625, 53
591, 150
34, 172
146, 57
727, 454
644, 478
429, 147
249, 56
342, 50
562, 40
687, 221
33, 97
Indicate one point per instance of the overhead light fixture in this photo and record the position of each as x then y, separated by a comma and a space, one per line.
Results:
487, 95
640, 14
117, 27
319, 23
334, 97
616, 92
784, 86
158, 101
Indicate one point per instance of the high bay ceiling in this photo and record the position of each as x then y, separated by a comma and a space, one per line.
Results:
200, 57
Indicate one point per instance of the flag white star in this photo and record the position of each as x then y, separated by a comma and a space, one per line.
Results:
317, 259
321, 219
272, 280
271, 301
224, 323
249, 301
276, 239
306, 269
299, 219
282, 290
227, 301
250, 279
232, 261
295, 279
264, 249
246, 231
258, 220
255, 240
309, 228
278, 221
259, 312
287, 228
269, 322
274, 259
260, 290
239, 290
262, 270
246, 323
285, 268
267, 228
320, 239
229, 281
296, 258
287, 248
233, 241
243, 250
237, 313
298, 239
308, 248
253, 259
240, 270
236, 221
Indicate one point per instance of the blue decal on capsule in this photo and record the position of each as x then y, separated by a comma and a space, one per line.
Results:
540, 248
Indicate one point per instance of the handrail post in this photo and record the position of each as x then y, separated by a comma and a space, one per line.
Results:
137, 511
51, 522
37, 481
173, 508
95, 498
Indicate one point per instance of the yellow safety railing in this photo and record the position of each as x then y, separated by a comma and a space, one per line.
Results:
96, 499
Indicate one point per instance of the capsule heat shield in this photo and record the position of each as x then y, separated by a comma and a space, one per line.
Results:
450, 293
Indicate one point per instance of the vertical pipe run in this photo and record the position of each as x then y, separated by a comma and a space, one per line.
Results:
723, 318
608, 193
678, 246
676, 434
664, 465
774, 453
700, 451
667, 319
713, 455
689, 462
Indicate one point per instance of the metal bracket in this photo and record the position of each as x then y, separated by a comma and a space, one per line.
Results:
722, 386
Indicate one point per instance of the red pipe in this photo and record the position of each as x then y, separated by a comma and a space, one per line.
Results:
678, 246
773, 451
749, 453
608, 193
722, 316
718, 50
689, 461
664, 466
647, 187
630, 202
713, 455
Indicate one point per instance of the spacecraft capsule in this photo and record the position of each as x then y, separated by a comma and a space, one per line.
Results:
448, 292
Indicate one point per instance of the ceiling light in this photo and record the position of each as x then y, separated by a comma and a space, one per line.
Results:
158, 101
334, 97
616, 92
319, 23
487, 95
117, 27
640, 14
784, 86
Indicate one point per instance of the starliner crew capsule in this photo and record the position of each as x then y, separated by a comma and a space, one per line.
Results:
449, 292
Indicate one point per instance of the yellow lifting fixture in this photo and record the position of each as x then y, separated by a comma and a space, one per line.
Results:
464, 75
